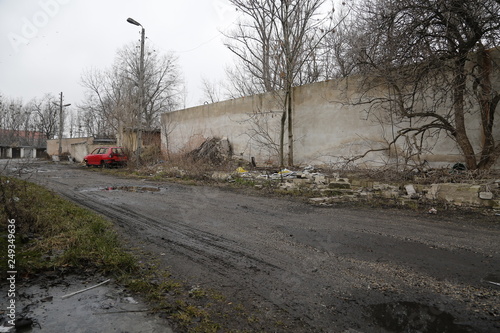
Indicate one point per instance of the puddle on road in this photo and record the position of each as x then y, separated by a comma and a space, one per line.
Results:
125, 188
140, 189
415, 317
82, 304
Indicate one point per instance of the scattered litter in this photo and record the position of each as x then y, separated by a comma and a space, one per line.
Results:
494, 283
130, 300
86, 289
241, 170
285, 172
121, 311
433, 211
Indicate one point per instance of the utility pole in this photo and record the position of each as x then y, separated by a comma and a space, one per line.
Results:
61, 122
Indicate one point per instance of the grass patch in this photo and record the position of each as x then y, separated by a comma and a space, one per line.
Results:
54, 233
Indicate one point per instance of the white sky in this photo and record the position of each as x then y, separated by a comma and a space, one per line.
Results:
45, 45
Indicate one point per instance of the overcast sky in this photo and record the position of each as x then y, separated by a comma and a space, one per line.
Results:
45, 45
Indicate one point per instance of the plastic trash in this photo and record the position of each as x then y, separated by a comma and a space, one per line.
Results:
241, 170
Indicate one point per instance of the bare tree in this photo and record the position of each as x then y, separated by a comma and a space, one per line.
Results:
432, 58
278, 43
113, 96
338, 53
102, 101
162, 81
46, 112
211, 91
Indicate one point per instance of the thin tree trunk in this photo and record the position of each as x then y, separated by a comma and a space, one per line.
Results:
463, 141
282, 139
289, 107
488, 104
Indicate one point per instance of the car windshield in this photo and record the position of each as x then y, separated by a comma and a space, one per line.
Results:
102, 151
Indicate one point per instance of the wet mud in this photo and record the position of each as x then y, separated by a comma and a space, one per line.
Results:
52, 303
314, 269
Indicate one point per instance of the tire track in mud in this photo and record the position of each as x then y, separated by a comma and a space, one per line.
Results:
320, 274
224, 257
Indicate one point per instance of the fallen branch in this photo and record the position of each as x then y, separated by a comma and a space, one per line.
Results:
494, 283
123, 311
86, 289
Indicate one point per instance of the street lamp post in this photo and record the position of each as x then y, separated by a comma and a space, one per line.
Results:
141, 90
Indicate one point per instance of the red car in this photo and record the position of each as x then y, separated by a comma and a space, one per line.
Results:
106, 157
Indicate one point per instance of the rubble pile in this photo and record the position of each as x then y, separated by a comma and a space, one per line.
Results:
213, 151
331, 188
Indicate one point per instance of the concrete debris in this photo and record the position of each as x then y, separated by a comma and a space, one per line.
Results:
486, 195
340, 183
320, 201
333, 188
410, 190
320, 179
222, 176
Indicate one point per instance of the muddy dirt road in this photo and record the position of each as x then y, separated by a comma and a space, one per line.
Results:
325, 269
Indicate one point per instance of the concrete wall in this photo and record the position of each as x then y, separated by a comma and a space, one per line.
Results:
77, 148
328, 127
53, 145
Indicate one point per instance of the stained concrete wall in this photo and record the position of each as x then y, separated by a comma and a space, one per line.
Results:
66, 143
328, 127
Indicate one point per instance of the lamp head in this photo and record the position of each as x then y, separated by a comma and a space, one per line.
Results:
132, 21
